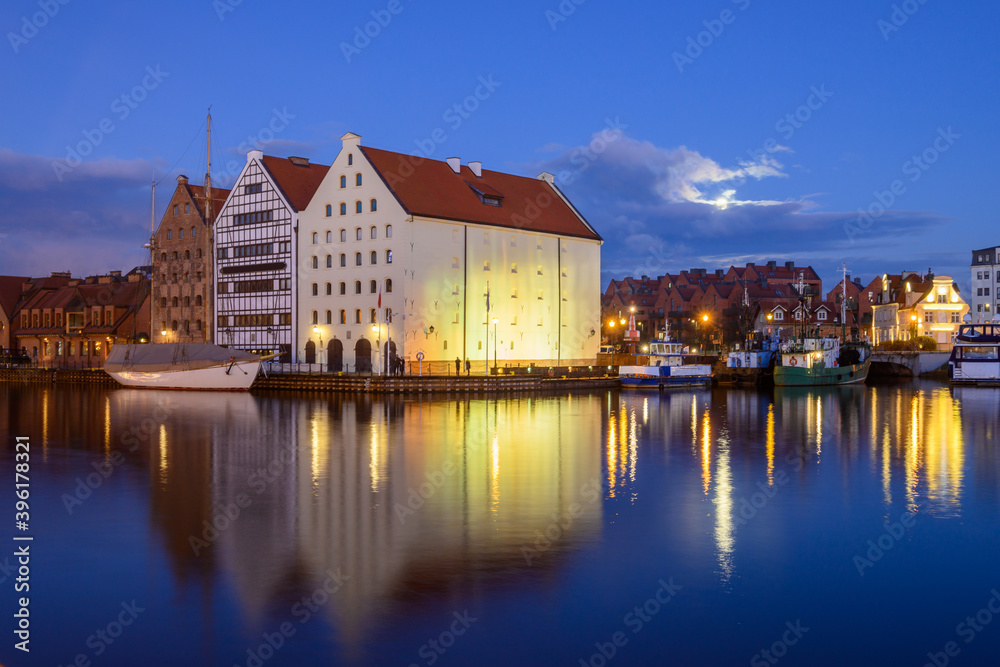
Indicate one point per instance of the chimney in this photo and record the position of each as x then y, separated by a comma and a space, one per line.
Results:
299, 161
790, 266
772, 264
719, 273
455, 164
477, 168
115, 274
182, 180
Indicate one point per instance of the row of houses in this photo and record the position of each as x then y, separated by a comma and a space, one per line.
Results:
722, 305
375, 256
72, 322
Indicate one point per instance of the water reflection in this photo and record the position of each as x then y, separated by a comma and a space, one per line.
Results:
420, 501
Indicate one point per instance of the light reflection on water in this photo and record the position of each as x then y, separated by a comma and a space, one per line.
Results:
439, 504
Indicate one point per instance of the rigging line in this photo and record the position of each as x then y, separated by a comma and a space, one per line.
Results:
196, 135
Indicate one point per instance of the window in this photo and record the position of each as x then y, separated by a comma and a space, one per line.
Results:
779, 315
343, 181
357, 233
350, 159
357, 179
315, 317
388, 257
175, 302
979, 275
343, 259
193, 231
343, 317
343, 288
329, 210
373, 286
513, 267
357, 316
329, 289
357, 259
329, 261
197, 302
252, 189
928, 317
187, 254
180, 232
315, 262
163, 302
358, 207
388, 229
821, 315
197, 325
357, 287
343, 236
373, 258
163, 257
187, 301
343, 208
315, 289
315, 238
373, 205
173, 325
373, 316
329, 237
373, 232
388, 285
170, 232
454, 262
486, 265
175, 255
329, 317
176, 209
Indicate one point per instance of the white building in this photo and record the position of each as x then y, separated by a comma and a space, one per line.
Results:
432, 239
257, 254
984, 302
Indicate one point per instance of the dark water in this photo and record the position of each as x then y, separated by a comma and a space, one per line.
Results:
853, 526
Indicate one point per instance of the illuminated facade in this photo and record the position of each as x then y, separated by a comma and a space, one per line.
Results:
467, 263
911, 306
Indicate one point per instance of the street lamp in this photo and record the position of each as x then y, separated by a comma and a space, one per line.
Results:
378, 342
495, 322
319, 357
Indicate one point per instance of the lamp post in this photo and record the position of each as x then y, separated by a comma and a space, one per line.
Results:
495, 321
319, 352
378, 343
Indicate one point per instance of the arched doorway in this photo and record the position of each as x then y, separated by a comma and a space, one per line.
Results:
335, 355
310, 352
388, 357
363, 356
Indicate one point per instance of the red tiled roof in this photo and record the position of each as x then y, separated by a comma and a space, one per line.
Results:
433, 189
10, 292
298, 182
219, 196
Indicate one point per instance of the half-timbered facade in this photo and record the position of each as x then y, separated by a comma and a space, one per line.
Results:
256, 254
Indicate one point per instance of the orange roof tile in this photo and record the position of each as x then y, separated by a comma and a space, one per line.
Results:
297, 181
431, 188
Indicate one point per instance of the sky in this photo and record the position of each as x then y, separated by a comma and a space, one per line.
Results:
698, 134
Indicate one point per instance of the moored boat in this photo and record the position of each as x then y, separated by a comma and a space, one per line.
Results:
752, 366
201, 366
668, 366
822, 361
975, 357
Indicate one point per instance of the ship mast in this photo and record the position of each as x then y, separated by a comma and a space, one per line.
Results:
843, 306
208, 174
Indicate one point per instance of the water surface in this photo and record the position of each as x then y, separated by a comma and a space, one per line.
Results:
826, 526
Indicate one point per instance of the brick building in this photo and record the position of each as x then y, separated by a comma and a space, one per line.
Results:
182, 265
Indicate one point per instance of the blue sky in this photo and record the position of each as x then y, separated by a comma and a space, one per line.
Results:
689, 134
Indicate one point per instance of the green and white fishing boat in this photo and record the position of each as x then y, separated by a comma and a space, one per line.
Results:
821, 361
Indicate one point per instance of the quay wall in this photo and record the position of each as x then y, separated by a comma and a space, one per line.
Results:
344, 383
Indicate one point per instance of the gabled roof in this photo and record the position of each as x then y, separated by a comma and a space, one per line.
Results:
219, 196
434, 190
10, 292
297, 180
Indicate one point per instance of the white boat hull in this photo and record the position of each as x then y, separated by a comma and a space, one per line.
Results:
231, 377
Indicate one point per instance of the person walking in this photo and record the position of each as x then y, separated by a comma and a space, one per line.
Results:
468, 366
458, 365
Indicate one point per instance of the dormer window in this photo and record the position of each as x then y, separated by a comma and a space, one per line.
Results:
491, 201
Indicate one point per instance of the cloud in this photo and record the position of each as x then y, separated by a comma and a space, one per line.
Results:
668, 209
95, 219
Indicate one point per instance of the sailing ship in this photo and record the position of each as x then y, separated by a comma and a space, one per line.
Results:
203, 366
